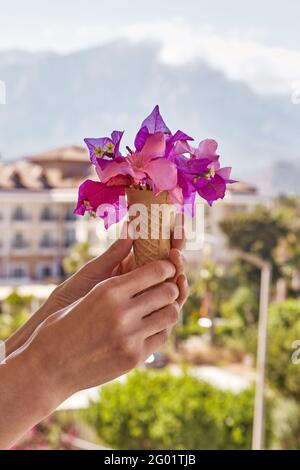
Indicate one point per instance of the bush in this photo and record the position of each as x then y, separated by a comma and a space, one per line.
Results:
284, 330
155, 410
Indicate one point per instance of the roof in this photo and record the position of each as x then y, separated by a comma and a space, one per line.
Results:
32, 174
242, 188
73, 153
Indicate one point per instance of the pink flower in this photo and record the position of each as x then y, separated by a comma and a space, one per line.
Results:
148, 163
93, 194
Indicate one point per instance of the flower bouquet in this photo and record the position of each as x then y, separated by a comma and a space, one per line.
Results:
163, 171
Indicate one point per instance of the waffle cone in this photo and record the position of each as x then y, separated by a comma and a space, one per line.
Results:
153, 242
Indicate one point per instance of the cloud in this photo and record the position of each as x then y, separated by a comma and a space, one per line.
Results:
267, 70
239, 55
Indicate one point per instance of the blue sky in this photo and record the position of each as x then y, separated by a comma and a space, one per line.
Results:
257, 42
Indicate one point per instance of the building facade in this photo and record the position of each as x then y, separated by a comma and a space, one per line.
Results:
37, 224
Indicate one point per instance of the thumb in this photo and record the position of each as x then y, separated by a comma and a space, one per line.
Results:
117, 252
103, 265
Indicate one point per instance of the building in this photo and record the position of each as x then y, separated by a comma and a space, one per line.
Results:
37, 224
240, 197
38, 227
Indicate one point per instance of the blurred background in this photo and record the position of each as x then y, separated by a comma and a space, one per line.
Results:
225, 70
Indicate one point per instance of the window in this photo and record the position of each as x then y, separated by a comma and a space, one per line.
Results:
20, 214
48, 214
18, 271
69, 214
70, 237
44, 271
19, 241
47, 240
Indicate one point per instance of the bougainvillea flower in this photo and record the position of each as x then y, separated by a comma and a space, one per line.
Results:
214, 187
161, 161
151, 125
104, 148
92, 194
173, 146
146, 164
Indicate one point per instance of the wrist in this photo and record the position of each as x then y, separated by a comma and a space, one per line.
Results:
50, 389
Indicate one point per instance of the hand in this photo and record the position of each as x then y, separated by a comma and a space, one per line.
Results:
118, 259
101, 336
109, 331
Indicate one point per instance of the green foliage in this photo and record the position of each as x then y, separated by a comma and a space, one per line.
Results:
286, 425
16, 303
155, 410
284, 330
243, 304
191, 329
257, 232
15, 310
80, 254
10, 323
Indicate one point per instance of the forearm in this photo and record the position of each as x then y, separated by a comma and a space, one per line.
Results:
20, 337
26, 395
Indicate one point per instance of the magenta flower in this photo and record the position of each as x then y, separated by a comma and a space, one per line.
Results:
161, 161
93, 194
151, 125
148, 164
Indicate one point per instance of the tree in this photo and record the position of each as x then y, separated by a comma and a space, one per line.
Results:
243, 304
79, 255
257, 232
156, 410
284, 331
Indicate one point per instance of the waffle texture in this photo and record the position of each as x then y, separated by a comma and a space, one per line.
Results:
153, 223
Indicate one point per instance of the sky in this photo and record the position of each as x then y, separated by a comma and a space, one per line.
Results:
257, 42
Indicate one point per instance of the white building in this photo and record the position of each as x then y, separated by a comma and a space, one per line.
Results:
37, 224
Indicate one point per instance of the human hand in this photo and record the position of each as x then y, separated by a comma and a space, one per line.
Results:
118, 259
112, 329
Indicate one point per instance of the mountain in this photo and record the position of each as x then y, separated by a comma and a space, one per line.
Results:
279, 178
55, 100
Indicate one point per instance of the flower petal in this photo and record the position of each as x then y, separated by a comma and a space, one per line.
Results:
211, 189
141, 138
155, 123
93, 193
207, 147
114, 168
155, 146
163, 173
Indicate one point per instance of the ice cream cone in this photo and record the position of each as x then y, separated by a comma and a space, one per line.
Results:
153, 224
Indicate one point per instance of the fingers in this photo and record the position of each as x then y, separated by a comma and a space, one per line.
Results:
177, 259
178, 236
147, 276
184, 289
153, 343
155, 298
163, 319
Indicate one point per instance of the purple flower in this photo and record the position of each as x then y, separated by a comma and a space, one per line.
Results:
93, 194
104, 148
151, 125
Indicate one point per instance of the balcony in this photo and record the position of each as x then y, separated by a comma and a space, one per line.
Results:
20, 217
20, 244
48, 217
46, 243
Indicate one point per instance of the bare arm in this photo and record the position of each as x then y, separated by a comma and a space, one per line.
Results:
106, 333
